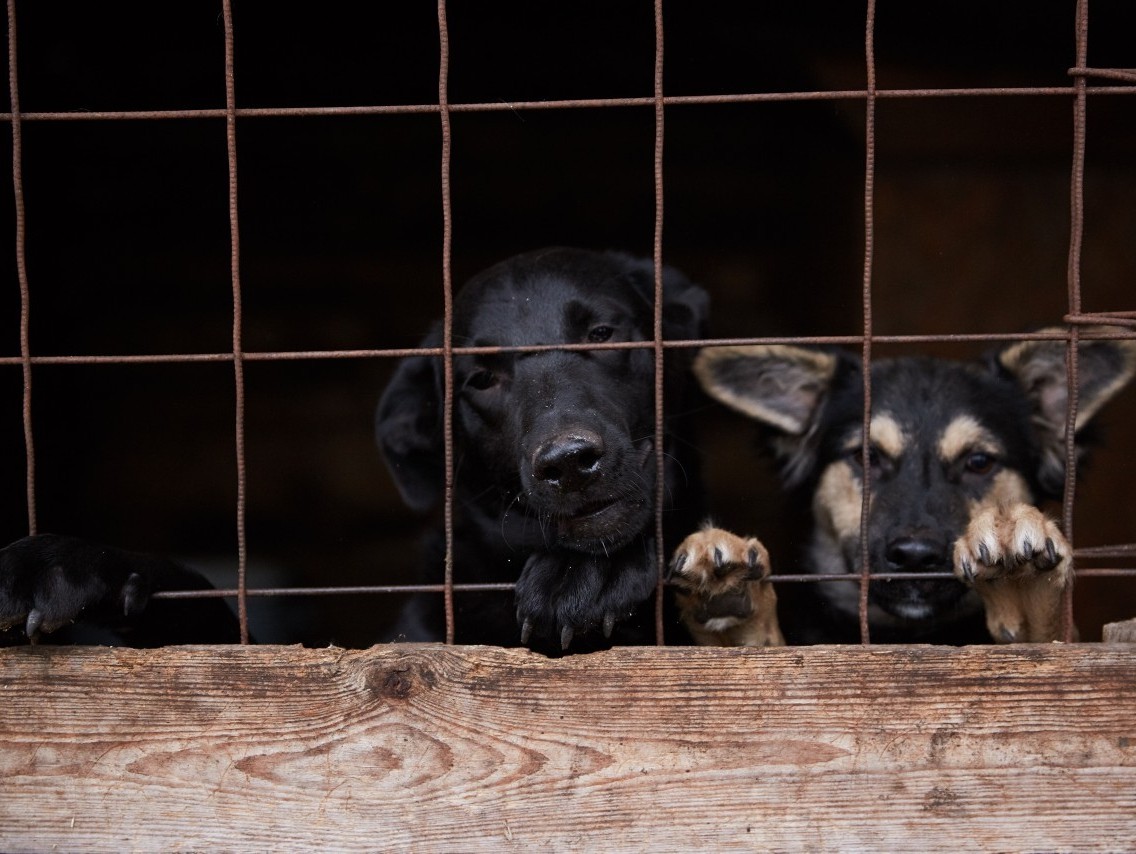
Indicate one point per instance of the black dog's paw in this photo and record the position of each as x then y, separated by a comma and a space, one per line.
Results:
562, 594
49, 581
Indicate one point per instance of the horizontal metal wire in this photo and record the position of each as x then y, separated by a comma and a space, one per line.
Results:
506, 587
1118, 319
583, 103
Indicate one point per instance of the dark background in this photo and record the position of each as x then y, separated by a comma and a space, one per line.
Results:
341, 238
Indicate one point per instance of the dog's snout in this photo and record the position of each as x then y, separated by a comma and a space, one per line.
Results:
569, 462
913, 553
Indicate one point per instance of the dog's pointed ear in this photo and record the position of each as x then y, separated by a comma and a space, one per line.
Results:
408, 427
782, 387
1104, 367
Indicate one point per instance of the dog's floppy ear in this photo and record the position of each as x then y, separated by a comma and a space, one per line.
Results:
1104, 367
782, 387
686, 306
408, 427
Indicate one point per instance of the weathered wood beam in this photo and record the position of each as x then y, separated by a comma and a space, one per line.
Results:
473, 748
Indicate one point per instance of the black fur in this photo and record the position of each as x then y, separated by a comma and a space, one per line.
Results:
555, 476
84, 592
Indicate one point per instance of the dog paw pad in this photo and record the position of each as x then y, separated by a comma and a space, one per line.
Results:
713, 561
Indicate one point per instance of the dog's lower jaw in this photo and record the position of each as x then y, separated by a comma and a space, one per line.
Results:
603, 528
915, 614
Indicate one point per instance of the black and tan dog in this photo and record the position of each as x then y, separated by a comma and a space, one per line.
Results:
960, 457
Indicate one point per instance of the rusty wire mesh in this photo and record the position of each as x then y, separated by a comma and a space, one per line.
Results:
1109, 81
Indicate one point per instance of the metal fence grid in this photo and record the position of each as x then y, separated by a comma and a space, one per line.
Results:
1085, 83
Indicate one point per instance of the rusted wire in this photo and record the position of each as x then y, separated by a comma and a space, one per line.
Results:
866, 346
660, 458
1117, 319
1123, 75
238, 356
1076, 240
448, 319
506, 587
22, 264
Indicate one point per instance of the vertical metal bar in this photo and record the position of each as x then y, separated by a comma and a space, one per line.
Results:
448, 320
869, 248
22, 265
660, 459
1076, 239
238, 354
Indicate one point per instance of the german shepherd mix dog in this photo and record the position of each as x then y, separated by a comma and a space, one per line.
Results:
960, 455
555, 472
555, 477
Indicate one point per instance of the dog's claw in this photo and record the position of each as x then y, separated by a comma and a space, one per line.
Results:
608, 624
678, 563
566, 634
526, 631
1050, 553
35, 620
968, 570
719, 558
984, 554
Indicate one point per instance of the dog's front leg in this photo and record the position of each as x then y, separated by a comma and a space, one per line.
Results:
1017, 560
724, 594
563, 593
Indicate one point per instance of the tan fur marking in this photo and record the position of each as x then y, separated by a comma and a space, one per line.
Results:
1008, 488
887, 435
837, 502
966, 434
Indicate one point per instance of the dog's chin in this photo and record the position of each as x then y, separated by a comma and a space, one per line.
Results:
602, 528
917, 601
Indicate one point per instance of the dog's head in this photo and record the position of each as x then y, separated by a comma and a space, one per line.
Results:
946, 438
561, 437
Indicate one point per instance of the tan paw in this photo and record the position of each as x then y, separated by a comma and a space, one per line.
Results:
1017, 560
714, 561
1011, 542
723, 593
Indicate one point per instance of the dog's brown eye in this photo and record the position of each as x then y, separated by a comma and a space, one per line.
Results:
856, 455
599, 334
980, 463
481, 379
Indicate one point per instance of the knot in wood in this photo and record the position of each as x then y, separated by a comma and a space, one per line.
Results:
398, 682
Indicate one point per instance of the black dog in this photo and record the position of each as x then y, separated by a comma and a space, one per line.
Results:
960, 456
555, 477
555, 472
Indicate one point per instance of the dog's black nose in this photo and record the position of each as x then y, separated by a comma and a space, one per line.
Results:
569, 462
916, 553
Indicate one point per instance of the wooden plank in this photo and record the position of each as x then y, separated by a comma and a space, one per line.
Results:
432, 748
1123, 632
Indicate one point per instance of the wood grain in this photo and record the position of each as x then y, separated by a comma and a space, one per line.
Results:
1122, 632
471, 748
